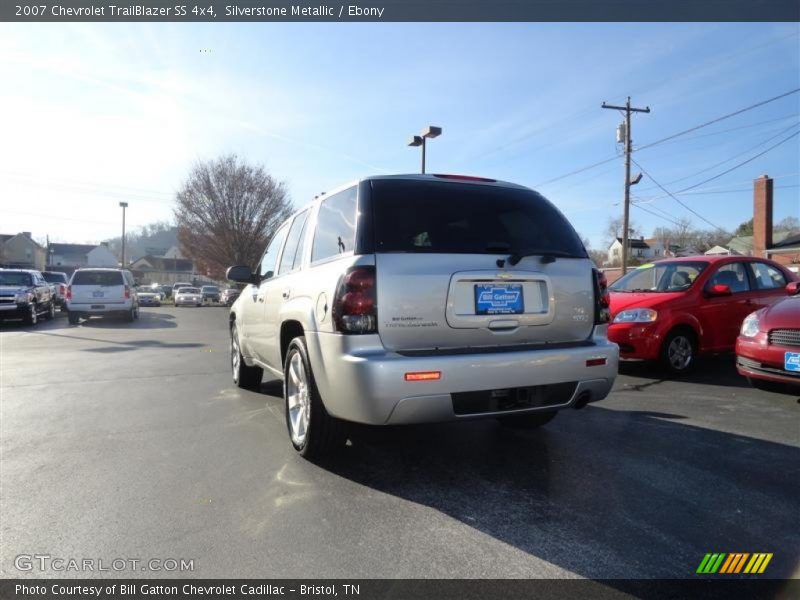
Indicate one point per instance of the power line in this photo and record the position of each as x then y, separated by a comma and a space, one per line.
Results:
722, 162
718, 119
744, 162
640, 207
678, 200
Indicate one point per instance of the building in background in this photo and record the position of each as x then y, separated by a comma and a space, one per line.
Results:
68, 257
161, 269
21, 251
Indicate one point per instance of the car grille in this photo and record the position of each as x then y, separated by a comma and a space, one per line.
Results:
6, 299
784, 337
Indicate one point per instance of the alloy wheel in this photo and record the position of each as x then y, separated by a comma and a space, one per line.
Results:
298, 399
679, 352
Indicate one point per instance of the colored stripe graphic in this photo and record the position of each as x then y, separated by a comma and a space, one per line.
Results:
711, 563
734, 563
758, 563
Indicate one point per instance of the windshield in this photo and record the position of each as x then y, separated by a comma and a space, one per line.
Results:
188, 290
660, 277
16, 278
210, 288
455, 218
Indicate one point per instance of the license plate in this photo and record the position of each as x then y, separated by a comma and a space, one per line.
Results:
499, 299
98, 294
97, 306
792, 362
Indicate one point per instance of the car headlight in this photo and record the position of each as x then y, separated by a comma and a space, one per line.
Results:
636, 315
23, 298
750, 325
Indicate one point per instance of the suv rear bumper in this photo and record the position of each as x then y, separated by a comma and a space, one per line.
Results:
361, 381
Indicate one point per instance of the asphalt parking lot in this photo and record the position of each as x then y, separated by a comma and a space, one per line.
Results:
130, 441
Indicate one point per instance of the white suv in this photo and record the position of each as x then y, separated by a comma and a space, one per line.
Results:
96, 292
418, 298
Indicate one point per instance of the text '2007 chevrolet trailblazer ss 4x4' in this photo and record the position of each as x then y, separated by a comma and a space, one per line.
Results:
420, 298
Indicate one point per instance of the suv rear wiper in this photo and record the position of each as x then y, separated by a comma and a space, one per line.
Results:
547, 256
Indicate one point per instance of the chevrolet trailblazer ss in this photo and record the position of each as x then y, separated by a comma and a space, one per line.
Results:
420, 298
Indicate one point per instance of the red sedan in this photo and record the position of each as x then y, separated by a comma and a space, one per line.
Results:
674, 309
768, 347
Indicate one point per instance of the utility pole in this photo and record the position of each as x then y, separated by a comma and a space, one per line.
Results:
628, 183
124, 205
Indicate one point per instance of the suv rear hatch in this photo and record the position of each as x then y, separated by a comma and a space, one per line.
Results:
98, 287
476, 266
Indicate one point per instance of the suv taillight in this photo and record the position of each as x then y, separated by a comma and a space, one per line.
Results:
69, 292
127, 292
61, 289
602, 299
355, 306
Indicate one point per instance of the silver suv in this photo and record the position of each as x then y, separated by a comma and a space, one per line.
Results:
419, 298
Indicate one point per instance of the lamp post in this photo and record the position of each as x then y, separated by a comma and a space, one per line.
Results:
419, 140
124, 205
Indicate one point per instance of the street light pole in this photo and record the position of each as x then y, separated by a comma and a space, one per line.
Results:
419, 140
124, 205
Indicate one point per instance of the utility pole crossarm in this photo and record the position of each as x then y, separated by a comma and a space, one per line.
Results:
626, 214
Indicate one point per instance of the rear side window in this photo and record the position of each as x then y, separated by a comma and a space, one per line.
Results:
97, 278
336, 226
766, 277
290, 257
270, 258
449, 218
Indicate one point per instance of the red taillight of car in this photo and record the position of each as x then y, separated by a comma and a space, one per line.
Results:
61, 289
127, 292
69, 292
602, 298
355, 306
424, 376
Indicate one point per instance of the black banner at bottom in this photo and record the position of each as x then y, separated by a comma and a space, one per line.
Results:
394, 589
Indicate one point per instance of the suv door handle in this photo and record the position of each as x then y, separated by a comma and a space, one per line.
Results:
286, 293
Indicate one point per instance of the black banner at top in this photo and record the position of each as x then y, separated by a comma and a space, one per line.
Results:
400, 10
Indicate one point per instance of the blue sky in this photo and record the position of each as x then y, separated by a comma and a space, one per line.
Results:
95, 114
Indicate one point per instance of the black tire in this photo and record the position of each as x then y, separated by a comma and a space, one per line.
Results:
51, 311
73, 318
529, 421
247, 378
324, 434
679, 351
32, 318
130, 316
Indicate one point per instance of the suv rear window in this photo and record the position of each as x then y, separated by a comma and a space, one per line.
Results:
450, 218
97, 278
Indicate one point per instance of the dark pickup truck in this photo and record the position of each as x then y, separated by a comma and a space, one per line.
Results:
59, 281
24, 294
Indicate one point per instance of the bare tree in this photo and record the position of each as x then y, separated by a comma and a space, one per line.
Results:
789, 224
227, 211
614, 229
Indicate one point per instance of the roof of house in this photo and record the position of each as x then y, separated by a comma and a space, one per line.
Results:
790, 241
635, 243
159, 263
743, 244
73, 249
4, 237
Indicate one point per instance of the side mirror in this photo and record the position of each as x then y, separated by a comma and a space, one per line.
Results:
793, 288
719, 289
240, 273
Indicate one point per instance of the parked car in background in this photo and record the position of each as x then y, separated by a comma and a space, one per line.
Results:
177, 286
25, 295
210, 293
160, 290
188, 296
674, 309
768, 347
148, 296
229, 296
420, 298
59, 281
96, 292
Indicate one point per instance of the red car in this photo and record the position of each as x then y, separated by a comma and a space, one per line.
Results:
768, 347
674, 309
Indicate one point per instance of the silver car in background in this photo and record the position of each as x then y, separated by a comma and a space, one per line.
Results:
420, 298
188, 296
